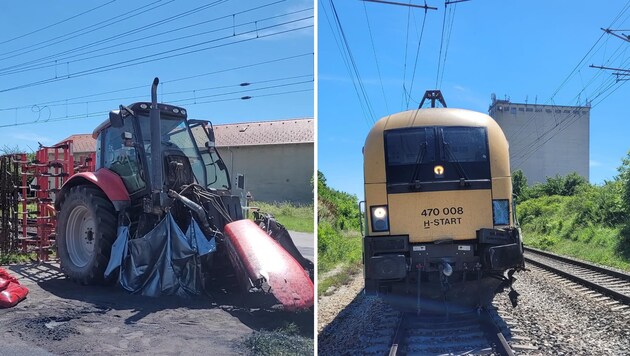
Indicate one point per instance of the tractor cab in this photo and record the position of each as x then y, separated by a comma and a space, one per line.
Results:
189, 155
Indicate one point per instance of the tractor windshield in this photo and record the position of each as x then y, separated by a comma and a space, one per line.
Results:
177, 137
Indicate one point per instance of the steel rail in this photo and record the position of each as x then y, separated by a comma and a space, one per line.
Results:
494, 334
398, 336
591, 266
484, 320
624, 298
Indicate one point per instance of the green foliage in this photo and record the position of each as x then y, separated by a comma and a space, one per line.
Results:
624, 179
567, 212
336, 247
568, 185
338, 236
519, 184
15, 257
338, 208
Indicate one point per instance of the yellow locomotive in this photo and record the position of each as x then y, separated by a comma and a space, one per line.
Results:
440, 223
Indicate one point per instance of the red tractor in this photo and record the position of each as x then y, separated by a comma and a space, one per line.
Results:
158, 212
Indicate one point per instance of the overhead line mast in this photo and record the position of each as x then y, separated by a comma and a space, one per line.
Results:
403, 4
622, 74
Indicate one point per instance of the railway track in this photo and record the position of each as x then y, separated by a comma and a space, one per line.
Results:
603, 280
458, 334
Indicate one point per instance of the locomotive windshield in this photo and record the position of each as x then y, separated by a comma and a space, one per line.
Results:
435, 158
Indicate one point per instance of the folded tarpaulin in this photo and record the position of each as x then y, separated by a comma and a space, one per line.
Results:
11, 291
163, 262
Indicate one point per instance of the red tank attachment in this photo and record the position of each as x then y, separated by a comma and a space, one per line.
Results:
11, 292
262, 259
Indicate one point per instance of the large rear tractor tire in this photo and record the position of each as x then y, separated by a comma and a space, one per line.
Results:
86, 230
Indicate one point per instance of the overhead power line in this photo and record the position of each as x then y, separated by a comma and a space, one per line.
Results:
57, 23
230, 69
103, 113
66, 103
403, 4
85, 30
378, 69
587, 56
185, 50
415, 63
134, 46
346, 54
103, 44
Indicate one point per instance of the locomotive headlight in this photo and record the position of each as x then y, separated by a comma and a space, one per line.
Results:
380, 219
501, 212
439, 171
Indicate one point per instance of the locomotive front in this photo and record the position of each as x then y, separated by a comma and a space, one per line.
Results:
440, 225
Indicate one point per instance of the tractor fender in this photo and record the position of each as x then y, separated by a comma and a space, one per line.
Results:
104, 179
257, 255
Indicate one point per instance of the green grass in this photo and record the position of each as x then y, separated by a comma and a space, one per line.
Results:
337, 250
293, 217
15, 257
579, 226
282, 341
602, 250
345, 274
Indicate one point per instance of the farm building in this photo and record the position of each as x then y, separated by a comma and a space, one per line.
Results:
276, 157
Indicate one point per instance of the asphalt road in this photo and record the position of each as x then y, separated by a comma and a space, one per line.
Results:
305, 242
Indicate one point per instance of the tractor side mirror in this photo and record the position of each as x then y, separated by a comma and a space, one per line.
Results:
116, 119
240, 181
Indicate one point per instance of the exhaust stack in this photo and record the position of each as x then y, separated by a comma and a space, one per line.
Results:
157, 177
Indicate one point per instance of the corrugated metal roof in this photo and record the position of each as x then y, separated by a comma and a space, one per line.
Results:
265, 133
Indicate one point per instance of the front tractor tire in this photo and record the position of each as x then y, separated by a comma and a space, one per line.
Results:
86, 230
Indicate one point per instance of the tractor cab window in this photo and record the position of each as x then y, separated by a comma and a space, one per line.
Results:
178, 139
121, 155
216, 170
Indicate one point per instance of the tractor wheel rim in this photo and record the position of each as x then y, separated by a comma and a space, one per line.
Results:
80, 236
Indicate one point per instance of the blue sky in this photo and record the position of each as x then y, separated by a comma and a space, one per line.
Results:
43, 42
523, 50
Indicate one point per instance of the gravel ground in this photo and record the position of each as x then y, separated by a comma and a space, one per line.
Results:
61, 317
553, 316
559, 319
348, 322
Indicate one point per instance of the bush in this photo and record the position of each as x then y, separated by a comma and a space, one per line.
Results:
570, 216
338, 235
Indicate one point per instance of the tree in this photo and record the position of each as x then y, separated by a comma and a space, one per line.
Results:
519, 185
571, 183
624, 177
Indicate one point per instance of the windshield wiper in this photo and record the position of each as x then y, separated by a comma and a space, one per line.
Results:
463, 177
419, 158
